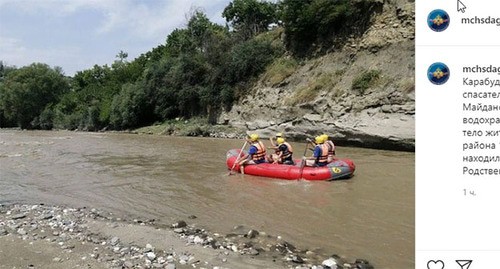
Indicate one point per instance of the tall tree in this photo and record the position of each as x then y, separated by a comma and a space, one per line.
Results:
26, 92
250, 17
315, 25
121, 56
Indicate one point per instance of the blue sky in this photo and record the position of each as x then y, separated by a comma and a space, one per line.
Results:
76, 34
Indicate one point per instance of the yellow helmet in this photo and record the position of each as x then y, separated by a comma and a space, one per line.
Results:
280, 140
319, 139
254, 137
325, 137
279, 135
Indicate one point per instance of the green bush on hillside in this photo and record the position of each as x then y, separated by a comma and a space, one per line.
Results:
309, 92
312, 25
365, 80
279, 70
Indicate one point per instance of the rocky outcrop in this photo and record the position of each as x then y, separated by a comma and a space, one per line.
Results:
361, 94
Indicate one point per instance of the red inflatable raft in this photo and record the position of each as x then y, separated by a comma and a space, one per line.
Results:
338, 169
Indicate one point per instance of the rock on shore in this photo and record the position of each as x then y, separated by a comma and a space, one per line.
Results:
40, 236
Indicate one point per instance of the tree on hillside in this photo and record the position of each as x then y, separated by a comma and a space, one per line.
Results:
123, 71
197, 37
4, 70
250, 17
193, 61
249, 59
199, 27
312, 25
121, 56
178, 41
26, 92
308, 21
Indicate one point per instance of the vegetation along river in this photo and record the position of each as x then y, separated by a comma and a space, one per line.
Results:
370, 216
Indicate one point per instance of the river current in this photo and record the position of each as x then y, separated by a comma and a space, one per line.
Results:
370, 216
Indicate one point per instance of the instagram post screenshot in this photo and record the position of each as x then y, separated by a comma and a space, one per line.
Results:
241, 134
457, 89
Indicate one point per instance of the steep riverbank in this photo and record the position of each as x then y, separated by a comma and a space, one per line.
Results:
40, 236
361, 92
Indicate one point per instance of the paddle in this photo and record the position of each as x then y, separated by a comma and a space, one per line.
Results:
303, 163
238, 158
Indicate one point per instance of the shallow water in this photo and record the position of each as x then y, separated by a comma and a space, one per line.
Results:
370, 216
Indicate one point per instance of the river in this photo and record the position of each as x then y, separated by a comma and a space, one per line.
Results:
370, 216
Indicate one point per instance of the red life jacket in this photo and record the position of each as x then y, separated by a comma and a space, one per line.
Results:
261, 151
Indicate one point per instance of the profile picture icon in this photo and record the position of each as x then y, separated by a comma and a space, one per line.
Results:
438, 20
438, 73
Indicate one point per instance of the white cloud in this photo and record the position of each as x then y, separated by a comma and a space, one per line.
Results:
151, 21
14, 52
145, 19
11, 50
112, 25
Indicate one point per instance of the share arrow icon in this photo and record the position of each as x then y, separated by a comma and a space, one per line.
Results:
464, 264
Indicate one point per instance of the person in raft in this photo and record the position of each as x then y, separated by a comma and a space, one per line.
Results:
320, 153
331, 148
274, 145
284, 151
256, 153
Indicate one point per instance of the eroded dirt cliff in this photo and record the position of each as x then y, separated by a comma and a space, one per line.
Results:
361, 92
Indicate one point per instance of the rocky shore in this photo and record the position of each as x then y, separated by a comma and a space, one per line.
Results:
41, 236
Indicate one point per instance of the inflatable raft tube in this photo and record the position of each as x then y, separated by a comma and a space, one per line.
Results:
337, 169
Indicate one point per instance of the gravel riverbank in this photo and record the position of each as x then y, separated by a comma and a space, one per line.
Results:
41, 236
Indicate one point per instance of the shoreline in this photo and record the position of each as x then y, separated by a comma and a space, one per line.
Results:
219, 131
42, 236
196, 128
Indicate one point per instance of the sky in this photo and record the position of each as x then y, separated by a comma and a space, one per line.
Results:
77, 34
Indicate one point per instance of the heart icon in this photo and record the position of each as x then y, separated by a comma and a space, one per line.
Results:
439, 264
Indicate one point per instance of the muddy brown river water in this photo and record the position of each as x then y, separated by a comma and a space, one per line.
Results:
370, 216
